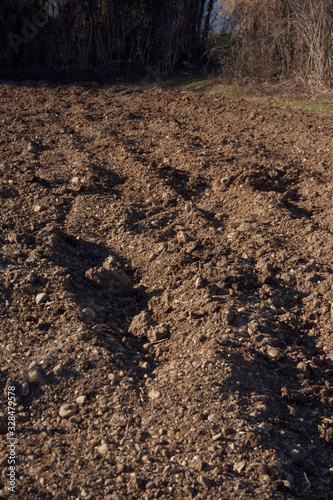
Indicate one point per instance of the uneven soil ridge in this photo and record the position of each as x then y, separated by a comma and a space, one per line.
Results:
166, 295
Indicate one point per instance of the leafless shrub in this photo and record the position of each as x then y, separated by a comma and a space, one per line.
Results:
282, 38
314, 21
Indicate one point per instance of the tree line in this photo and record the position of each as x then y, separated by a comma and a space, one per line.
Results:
70, 35
265, 38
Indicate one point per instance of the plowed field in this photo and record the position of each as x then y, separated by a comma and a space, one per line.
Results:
165, 296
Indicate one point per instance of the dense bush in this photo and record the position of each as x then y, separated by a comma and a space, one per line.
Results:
281, 38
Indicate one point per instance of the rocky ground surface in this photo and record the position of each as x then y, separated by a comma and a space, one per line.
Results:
165, 295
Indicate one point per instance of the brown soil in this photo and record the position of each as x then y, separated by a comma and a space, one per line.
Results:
166, 295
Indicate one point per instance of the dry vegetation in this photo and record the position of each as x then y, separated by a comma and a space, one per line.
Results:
285, 38
261, 38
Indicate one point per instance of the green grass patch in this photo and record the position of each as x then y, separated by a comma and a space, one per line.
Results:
195, 82
269, 98
319, 107
266, 95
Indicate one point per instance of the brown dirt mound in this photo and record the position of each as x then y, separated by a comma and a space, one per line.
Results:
166, 295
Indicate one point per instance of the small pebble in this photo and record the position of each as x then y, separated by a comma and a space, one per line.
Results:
154, 394
81, 400
239, 467
188, 207
273, 353
118, 420
183, 237
25, 390
216, 437
199, 282
32, 147
265, 427
67, 410
204, 481
262, 408
41, 297
115, 496
114, 378
57, 370
36, 377
103, 449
